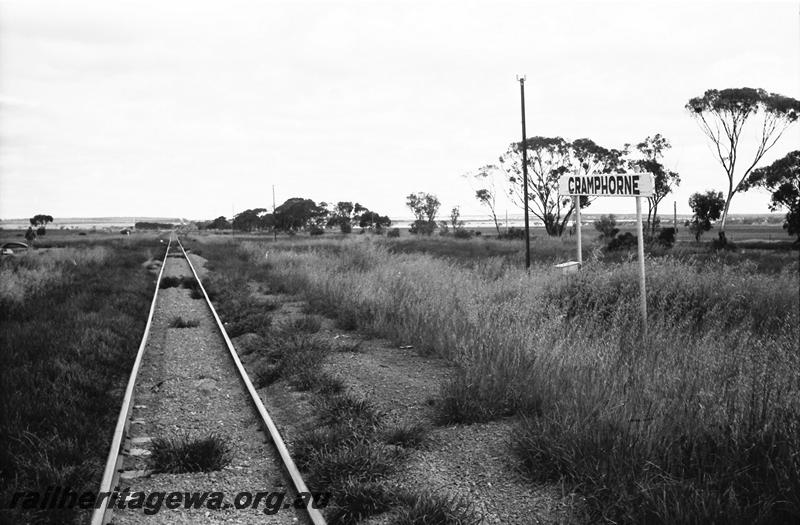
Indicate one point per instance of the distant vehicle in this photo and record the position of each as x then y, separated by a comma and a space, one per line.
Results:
10, 248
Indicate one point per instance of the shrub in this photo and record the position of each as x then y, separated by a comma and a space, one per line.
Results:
393, 232
726, 245
666, 237
462, 233
625, 241
513, 234
316, 230
422, 227
607, 226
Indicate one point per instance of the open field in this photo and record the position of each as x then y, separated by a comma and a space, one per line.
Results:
699, 423
696, 424
72, 320
61, 238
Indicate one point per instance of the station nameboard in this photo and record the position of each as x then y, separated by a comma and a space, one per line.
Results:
608, 184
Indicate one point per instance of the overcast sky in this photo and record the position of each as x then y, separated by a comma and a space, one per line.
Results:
157, 108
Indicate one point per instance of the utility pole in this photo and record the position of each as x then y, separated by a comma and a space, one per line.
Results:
675, 215
525, 174
274, 231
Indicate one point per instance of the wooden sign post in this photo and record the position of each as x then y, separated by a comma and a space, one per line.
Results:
613, 185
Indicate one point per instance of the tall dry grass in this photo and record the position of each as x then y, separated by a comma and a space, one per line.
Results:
31, 272
71, 323
698, 423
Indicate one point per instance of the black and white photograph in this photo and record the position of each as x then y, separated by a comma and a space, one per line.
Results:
383, 262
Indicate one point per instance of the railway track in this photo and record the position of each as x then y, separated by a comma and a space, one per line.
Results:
187, 377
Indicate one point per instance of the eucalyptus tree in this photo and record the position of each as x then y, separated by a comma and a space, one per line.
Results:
782, 179
652, 149
424, 206
722, 115
707, 208
487, 194
548, 159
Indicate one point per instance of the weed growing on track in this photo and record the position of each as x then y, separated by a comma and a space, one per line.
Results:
182, 282
68, 347
715, 381
180, 322
169, 282
186, 453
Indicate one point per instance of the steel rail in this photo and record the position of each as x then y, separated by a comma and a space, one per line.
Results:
300, 486
114, 461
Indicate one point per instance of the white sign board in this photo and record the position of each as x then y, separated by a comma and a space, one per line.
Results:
608, 184
613, 185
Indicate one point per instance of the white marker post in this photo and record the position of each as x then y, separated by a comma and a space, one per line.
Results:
578, 229
640, 239
614, 185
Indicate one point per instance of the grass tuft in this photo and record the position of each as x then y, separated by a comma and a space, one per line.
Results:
355, 501
248, 318
354, 347
180, 322
407, 435
307, 324
435, 509
328, 385
348, 409
169, 281
471, 396
185, 453
346, 320
354, 460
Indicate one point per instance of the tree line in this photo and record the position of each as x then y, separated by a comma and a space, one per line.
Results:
721, 115
300, 214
